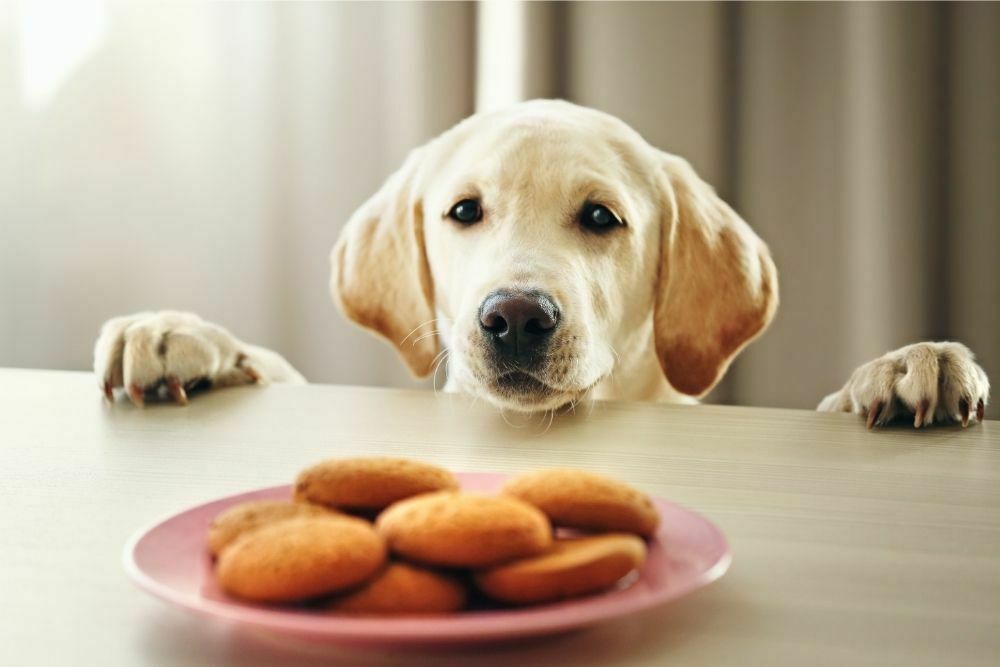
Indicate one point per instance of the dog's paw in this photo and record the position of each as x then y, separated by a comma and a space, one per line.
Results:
932, 382
170, 351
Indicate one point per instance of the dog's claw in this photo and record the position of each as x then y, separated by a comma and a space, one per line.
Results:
176, 391
921, 417
963, 409
252, 374
873, 412
136, 393
109, 393
980, 410
248, 370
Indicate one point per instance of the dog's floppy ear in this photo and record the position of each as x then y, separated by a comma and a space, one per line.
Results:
717, 287
380, 276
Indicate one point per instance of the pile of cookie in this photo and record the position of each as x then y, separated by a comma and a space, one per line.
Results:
397, 536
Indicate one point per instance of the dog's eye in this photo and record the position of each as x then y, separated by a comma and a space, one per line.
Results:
466, 212
598, 217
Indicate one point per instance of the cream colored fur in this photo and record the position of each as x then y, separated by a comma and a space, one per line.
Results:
655, 310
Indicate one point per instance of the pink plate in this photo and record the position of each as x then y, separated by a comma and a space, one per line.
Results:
170, 560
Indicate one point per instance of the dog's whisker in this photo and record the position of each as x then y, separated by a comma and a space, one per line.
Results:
552, 416
504, 417
510, 423
417, 328
442, 353
618, 357
426, 335
437, 366
434, 361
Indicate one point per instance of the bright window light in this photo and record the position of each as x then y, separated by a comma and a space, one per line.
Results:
55, 37
500, 54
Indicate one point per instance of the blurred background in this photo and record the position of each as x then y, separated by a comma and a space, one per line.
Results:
204, 156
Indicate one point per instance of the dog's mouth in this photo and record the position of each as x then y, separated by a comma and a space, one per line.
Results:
520, 383
524, 391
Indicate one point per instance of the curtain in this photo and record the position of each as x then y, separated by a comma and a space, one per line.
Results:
860, 140
204, 157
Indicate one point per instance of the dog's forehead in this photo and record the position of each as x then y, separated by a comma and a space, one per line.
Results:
552, 152
554, 141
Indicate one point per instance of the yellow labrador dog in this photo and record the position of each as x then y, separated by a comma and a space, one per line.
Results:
546, 253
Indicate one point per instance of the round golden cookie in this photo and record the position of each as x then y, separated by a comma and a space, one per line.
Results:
301, 558
248, 516
402, 588
586, 500
571, 568
372, 483
454, 529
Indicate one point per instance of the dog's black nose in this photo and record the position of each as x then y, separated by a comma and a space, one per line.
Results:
519, 323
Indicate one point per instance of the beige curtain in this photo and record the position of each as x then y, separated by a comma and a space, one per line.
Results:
861, 140
203, 156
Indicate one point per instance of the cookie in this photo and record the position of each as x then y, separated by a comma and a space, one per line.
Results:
402, 588
301, 558
244, 517
573, 567
454, 529
369, 484
586, 500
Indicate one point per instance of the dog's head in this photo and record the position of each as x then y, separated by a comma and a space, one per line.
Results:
540, 245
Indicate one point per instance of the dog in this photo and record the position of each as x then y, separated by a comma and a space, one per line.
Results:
546, 254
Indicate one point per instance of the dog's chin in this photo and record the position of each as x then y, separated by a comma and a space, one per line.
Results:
525, 392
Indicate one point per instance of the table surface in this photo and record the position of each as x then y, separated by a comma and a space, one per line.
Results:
850, 546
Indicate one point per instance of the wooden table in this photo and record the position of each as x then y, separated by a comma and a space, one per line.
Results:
850, 547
